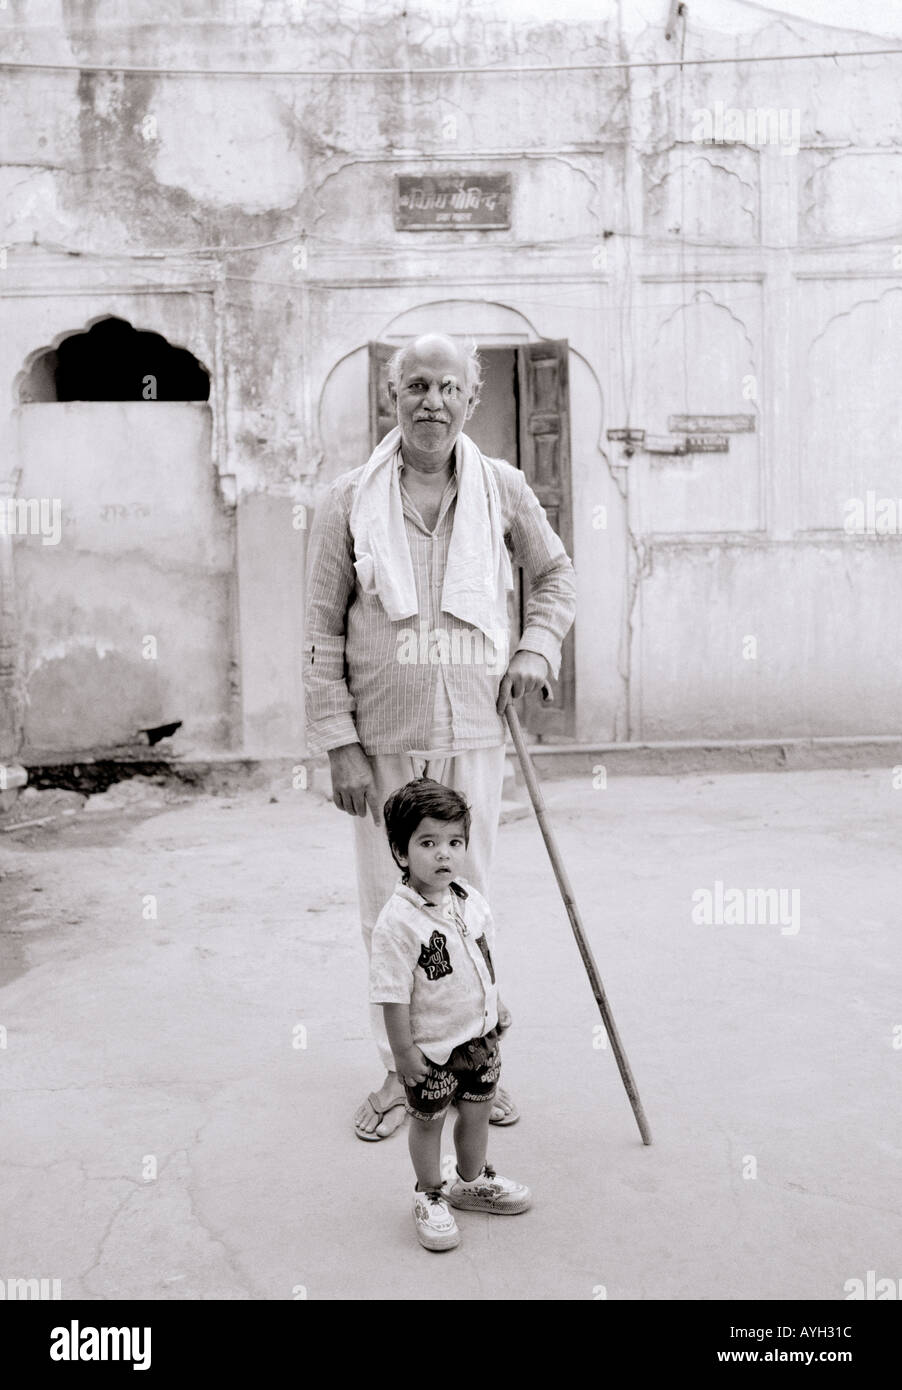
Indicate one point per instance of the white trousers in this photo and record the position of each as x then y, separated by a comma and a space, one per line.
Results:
478, 774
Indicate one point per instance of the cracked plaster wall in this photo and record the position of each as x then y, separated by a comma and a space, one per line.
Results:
124, 571
707, 247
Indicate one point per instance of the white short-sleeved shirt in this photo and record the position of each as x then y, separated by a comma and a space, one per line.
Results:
436, 956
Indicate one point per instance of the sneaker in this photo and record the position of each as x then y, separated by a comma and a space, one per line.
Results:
435, 1225
488, 1192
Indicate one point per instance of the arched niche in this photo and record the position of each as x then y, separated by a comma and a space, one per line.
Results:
110, 360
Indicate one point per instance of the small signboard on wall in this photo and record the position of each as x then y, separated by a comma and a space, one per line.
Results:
712, 424
427, 202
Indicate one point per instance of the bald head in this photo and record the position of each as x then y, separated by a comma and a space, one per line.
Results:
436, 349
434, 386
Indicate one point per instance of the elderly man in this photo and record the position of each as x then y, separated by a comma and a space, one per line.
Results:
406, 646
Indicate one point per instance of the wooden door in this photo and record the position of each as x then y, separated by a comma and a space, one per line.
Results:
544, 428
382, 413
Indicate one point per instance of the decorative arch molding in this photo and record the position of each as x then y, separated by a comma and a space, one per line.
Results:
490, 322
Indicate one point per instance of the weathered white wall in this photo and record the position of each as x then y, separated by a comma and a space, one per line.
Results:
126, 624
728, 278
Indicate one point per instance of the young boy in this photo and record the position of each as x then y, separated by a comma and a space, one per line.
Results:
431, 970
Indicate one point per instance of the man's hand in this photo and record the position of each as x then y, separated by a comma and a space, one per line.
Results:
504, 1018
526, 672
353, 783
412, 1065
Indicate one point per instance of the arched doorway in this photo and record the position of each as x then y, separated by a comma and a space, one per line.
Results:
602, 548
523, 416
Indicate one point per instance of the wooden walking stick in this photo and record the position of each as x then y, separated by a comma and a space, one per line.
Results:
563, 882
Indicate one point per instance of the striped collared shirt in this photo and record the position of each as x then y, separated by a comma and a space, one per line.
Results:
426, 682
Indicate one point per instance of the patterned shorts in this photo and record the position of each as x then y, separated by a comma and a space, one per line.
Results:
470, 1073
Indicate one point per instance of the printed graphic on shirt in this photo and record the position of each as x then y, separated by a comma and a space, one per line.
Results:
484, 948
434, 957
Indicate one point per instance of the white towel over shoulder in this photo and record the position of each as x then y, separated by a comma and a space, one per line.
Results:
478, 575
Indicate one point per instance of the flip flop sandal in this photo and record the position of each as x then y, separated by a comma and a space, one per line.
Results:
511, 1118
374, 1102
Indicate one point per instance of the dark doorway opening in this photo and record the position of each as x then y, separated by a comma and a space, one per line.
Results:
113, 361
493, 424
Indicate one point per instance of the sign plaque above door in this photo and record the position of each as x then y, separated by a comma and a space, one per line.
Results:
426, 202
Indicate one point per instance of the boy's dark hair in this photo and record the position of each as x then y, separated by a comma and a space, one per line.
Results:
410, 804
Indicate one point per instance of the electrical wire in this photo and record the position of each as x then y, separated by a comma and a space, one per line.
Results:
513, 68
303, 236
893, 236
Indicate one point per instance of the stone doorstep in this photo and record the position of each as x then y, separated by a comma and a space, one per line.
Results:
685, 759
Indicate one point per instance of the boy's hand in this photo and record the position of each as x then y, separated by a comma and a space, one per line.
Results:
504, 1018
412, 1065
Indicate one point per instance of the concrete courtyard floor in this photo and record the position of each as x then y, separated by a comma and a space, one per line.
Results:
177, 1088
